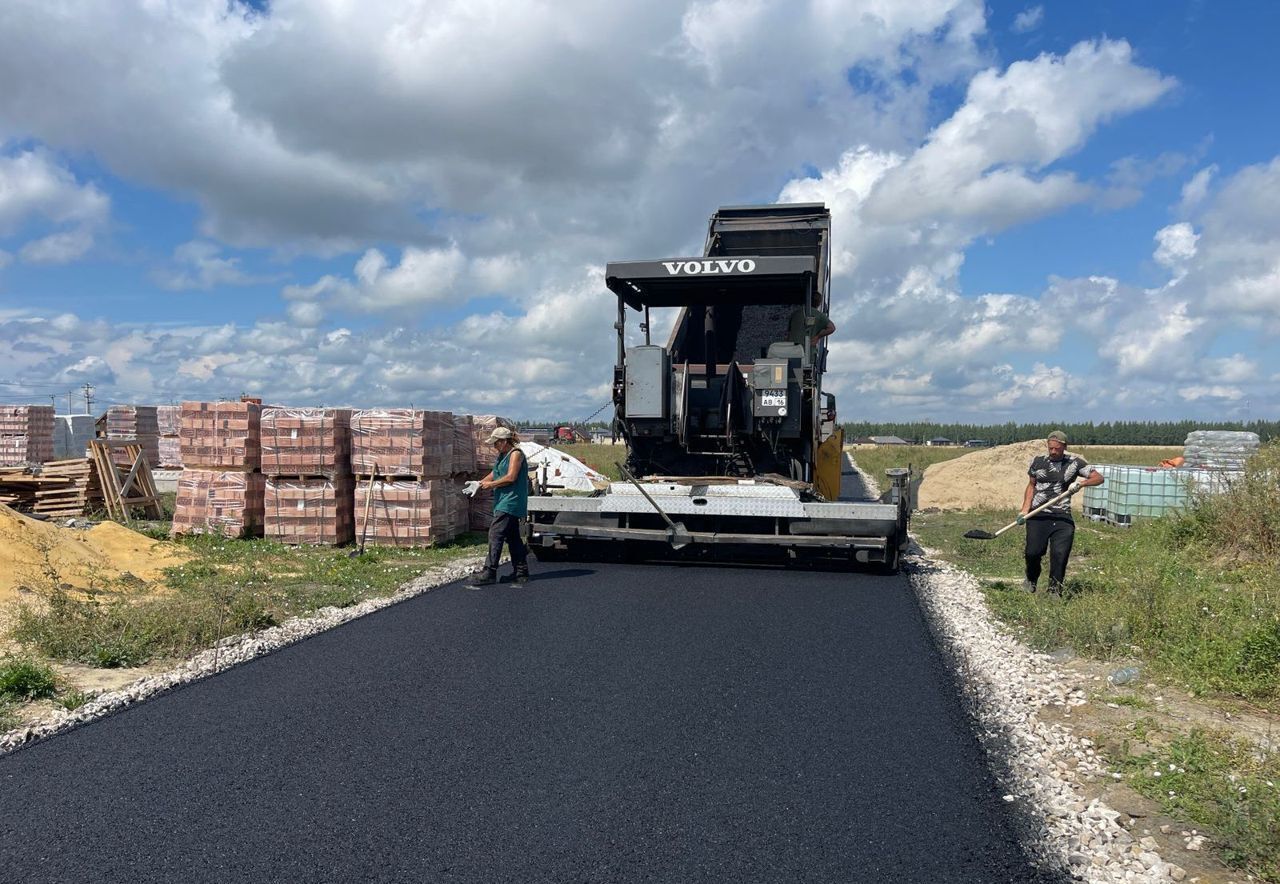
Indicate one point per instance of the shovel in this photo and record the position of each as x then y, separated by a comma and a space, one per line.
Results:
677, 534
364, 523
979, 534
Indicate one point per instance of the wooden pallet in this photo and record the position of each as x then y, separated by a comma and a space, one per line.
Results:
58, 488
125, 486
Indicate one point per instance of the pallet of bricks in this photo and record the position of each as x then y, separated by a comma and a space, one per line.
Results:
26, 434
480, 509
138, 422
221, 490
403, 460
306, 458
169, 447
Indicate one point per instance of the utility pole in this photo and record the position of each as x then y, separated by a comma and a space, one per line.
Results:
88, 398
69, 411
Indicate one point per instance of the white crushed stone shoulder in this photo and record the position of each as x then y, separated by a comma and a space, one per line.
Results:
1006, 684
232, 651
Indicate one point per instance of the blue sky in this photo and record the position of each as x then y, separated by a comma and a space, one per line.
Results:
1041, 210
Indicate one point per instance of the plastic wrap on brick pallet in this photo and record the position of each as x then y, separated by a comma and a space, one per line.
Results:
315, 511
406, 512
229, 503
402, 442
1220, 449
481, 426
26, 434
221, 435
168, 419
306, 441
480, 510
464, 447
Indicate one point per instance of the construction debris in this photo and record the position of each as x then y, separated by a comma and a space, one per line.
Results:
26, 434
57, 489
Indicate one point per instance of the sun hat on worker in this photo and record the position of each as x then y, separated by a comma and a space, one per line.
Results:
1058, 436
500, 433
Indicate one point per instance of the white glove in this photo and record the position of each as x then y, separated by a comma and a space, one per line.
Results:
470, 488
1076, 486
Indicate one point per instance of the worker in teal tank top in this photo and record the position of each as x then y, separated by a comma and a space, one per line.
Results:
510, 483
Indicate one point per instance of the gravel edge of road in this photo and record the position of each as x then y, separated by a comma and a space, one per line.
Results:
1039, 763
232, 651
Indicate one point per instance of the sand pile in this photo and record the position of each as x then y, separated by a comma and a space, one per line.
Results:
991, 478
99, 556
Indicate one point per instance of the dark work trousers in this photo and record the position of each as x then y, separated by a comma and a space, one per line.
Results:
1055, 535
505, 528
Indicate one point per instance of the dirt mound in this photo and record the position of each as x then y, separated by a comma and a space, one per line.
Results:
101, 556
989, 478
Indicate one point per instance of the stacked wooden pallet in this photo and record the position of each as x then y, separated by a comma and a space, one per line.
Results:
139, 423
26, 434
220, 490
306, 457
59, 488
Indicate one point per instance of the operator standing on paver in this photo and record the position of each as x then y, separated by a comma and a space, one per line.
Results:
808, 328
1052, 529
510, 484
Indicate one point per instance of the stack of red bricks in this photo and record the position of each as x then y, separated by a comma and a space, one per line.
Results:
135, 423
221, 490
306, 456
480, 510
169, 422
407, 455
26, 434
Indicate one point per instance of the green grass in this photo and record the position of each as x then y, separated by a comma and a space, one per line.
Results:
23, 679
1142, 592
230, 586
1127, 455
73, 700
1222, 783
602, 458
875, 459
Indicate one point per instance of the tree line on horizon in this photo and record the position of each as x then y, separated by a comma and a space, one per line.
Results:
1086, 433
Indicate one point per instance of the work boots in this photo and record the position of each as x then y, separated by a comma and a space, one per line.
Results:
485, 577
521, 577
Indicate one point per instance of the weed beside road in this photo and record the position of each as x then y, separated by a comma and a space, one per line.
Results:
229, 587
1195, 599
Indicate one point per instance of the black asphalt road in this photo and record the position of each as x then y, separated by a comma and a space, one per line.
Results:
608, 724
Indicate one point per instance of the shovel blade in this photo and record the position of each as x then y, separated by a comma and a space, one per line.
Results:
678, 536
979, 534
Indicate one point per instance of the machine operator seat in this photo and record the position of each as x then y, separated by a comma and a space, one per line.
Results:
788, 350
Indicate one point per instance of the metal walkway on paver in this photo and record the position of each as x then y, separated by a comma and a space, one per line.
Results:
608, 724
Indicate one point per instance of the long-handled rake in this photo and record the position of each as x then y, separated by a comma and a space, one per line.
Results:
979, 534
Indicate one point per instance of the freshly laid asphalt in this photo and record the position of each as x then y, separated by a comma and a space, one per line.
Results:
606, 724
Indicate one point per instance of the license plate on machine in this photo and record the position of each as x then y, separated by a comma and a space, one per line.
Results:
773, 400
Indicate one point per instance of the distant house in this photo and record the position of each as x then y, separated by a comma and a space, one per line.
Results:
887, 440
541, 435
940, 440
600, 437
